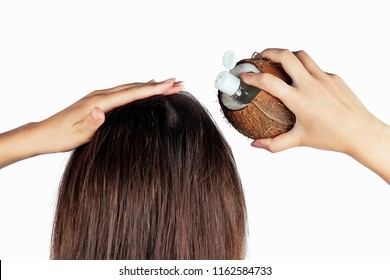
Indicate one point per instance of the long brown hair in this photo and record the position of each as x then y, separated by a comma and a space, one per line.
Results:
157, 181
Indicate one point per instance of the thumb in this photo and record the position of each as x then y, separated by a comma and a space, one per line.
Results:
90, 124
282, 142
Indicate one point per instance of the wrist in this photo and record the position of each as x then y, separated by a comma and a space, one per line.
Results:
361, 135
372, 148
37, 135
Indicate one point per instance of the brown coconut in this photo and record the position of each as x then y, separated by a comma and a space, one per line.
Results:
265, 116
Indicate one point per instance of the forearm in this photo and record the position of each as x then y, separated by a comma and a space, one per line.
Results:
374, 150
20, 143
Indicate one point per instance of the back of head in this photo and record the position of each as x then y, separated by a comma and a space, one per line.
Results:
157, 181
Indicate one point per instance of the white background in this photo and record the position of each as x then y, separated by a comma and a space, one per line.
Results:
302, 203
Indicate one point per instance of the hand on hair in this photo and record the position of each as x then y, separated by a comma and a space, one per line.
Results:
328, 114
76, 124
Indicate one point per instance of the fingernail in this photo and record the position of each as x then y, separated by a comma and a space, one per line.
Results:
178, 84
244, 75
95, 115
257, 144
169, 81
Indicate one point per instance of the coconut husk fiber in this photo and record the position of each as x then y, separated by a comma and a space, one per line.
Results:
265, 116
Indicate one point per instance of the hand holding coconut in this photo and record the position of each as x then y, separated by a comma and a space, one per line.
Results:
328, 115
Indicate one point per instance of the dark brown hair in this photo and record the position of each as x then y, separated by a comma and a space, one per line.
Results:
157, 181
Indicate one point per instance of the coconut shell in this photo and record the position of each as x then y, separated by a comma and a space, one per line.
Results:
265, 116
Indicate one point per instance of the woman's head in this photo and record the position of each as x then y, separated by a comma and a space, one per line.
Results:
157, 181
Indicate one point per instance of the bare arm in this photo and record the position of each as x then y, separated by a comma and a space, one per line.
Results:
328, 114
76, 124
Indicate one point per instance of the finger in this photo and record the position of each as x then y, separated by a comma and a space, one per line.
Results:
289, 61
131, 94
272, 85
113, 89
309, 63
89, 125
176, 88
282, 142
119, 88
